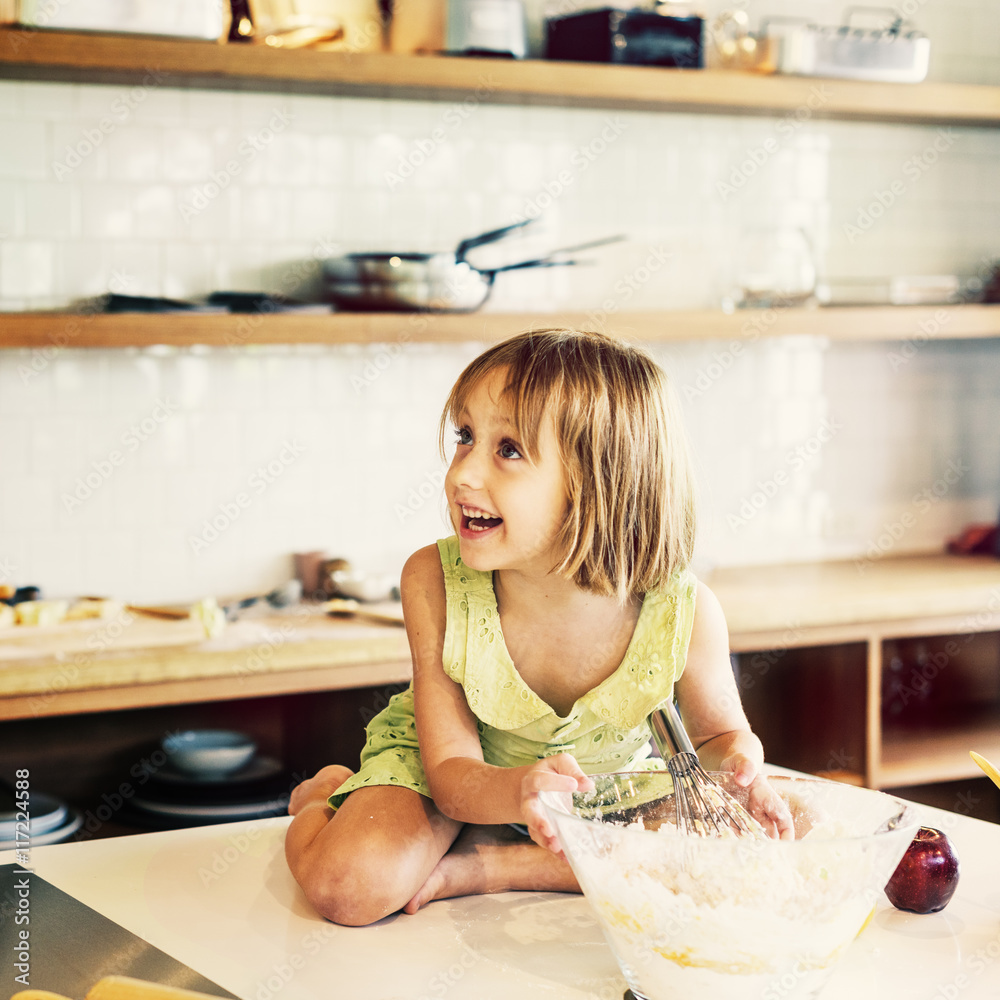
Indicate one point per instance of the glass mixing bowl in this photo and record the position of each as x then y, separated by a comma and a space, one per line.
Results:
725, 917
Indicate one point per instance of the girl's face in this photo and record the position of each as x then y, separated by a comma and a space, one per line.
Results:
506, 510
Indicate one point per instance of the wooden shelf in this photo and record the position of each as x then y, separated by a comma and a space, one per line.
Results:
820, 603
895, 323
921, 756
90, 57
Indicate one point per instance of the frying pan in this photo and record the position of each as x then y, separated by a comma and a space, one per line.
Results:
427, 282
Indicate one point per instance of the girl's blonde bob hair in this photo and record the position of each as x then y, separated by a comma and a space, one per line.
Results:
630, 514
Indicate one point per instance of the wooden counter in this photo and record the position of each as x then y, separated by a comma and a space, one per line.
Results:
803, 604
132, 661
814, 643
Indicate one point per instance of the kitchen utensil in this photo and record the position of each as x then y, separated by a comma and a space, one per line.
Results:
280, 597
72, 822
259, 769
418, 26
486, 28
175, 798
613, 35
990, 769
361, 586
702, 806
344, 607
726, 917
735, 47
886, 53
428, 282
774, 268
351, 25
214, 751
51, 821
181, 19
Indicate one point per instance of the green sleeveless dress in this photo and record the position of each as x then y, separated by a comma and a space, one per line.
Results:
605, 730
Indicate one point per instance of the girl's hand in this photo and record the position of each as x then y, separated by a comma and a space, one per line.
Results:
560, 773
318, 788
764, 803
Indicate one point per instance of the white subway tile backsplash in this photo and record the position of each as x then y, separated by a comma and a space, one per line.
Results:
23, 153
187, 155
163, 191
27, 269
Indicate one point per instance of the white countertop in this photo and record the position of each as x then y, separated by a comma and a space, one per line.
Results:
221, 900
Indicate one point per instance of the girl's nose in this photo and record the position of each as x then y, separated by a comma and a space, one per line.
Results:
467, 469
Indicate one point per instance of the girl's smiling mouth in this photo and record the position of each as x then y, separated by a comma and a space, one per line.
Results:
475, 520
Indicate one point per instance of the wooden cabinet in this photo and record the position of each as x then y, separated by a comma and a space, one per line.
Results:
883, 674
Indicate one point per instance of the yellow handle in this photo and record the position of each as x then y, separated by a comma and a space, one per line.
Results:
121, 988
989, 768
38, 995
124, 988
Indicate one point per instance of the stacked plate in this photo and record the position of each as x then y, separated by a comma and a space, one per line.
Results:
211, 776
50, 822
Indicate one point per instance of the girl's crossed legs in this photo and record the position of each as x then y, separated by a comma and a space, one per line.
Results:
389, 848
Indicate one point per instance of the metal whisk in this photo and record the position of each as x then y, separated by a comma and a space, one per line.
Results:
701, 805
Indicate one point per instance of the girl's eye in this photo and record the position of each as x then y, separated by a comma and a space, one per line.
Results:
509, 450
463, 435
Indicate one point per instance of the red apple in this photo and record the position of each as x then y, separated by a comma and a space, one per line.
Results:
926, 878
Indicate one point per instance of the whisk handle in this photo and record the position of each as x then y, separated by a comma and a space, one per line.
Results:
668, 731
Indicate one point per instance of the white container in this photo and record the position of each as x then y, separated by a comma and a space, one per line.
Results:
487, 26
180, 18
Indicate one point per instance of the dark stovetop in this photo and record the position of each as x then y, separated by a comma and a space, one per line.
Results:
72, 946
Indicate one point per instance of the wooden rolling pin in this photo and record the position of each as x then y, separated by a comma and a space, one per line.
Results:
121, 988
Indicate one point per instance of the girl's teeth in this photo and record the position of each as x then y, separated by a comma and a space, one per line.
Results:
475, 512
479, 520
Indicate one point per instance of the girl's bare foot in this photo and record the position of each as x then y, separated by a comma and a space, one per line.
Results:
487, 859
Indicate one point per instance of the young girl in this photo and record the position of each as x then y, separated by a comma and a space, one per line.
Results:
543, 633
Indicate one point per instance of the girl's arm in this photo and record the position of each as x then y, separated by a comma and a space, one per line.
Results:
464, 787
713, 715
